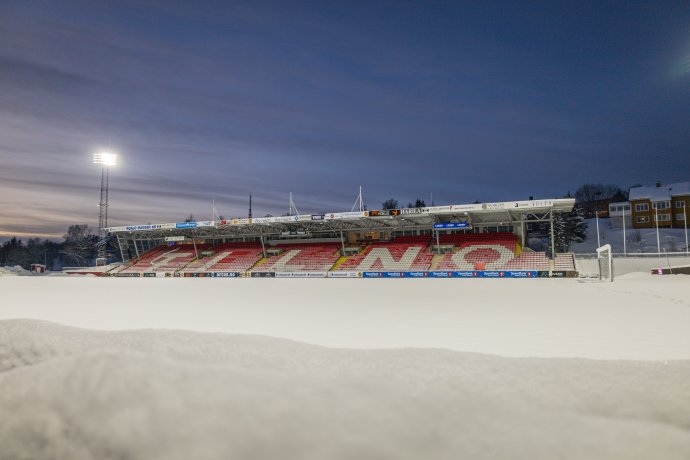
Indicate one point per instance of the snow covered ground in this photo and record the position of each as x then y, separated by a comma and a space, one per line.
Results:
632, 242
165, 368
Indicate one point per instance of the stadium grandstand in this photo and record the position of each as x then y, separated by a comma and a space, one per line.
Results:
470, 240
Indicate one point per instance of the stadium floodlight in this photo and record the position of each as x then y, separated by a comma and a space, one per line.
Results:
105, 158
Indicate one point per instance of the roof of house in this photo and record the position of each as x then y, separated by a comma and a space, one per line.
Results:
660, 193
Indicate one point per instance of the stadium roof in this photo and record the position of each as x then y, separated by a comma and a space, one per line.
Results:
438, 217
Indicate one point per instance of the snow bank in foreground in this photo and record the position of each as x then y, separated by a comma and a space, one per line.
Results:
77, 394
13, 271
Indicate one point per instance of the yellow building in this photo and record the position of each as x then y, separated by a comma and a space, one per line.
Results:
666, 204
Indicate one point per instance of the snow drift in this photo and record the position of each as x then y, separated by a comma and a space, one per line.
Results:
69, 393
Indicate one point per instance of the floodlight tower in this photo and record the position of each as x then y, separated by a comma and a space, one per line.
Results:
106, 160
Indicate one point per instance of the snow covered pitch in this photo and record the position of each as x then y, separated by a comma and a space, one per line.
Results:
348, 368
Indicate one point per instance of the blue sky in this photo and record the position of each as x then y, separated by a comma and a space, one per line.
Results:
209, 101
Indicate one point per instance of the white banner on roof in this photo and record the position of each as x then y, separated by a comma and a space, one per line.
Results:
438, 209
345, 215
465, 207
262, 220
284, 219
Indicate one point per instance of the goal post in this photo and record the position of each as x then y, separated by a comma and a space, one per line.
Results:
605, 261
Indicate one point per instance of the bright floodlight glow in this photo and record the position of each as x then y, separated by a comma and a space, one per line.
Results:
105, 158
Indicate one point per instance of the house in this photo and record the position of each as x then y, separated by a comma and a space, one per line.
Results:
619, 213
666, 203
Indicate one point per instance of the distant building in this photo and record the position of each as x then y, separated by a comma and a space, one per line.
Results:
619, 211
667, 203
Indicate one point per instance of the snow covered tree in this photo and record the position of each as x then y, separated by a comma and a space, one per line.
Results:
568, 229
80, 244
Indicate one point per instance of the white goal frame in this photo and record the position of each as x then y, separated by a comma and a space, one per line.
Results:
605, 262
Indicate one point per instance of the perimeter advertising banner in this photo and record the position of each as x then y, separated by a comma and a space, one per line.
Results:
344, 274
455, 274
211, 274
301, 274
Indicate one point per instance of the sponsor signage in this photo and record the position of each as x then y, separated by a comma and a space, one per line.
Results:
175, 238
407, 211
300, 274
185, 225
486, 274
317, 216
345, 215
285, 219
384, 213
261, 220
531, 204
344, 274
493, 206
136, 228
452, 225
465, 207
351, 274
438, 209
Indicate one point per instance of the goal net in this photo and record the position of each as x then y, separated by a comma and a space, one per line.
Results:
605, 263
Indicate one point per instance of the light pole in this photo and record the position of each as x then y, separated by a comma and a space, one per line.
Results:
685, 222
105, 159
596, 215
625, 252
656, 220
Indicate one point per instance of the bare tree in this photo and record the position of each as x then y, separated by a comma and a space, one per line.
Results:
391, 203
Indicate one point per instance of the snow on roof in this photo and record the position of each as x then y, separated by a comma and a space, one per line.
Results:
661, 193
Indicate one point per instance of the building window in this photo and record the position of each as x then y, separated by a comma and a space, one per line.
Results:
642, 207
663, 217
626, 207
661, 205
680, 204
642, 219
680, 217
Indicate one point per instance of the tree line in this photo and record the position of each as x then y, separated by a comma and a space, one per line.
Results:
78, 249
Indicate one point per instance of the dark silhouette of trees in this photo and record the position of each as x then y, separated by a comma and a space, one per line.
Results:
78, 248
391, 203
